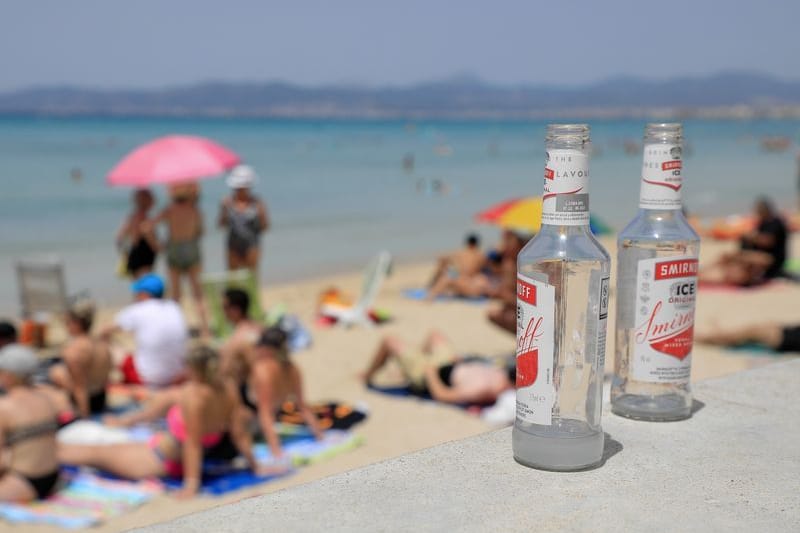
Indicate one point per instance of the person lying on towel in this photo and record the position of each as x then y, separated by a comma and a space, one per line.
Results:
435, 369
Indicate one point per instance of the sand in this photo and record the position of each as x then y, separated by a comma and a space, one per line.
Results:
400, 425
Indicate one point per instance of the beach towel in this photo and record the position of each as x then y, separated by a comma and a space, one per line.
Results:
792, 268
330, 415
405, 391
752, 348
221, 477
422, 293
305, 450
86, 500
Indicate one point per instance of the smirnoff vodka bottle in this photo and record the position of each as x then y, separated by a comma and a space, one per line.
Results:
562, 304
656, 290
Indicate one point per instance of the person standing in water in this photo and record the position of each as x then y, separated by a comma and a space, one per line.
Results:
184, 222
245, 217
137, 238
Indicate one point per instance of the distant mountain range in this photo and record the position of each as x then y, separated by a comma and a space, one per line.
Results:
725, 94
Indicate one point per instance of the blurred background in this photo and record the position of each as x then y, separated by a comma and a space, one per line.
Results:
378, 125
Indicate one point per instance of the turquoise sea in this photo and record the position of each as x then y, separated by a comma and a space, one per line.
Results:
337, 190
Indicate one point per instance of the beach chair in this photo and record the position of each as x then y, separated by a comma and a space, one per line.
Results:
215, 284
41, 287
376, 272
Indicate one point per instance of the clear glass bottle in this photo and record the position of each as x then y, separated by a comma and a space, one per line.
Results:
562, 305
656, 290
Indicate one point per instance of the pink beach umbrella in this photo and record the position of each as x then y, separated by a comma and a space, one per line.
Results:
172, 159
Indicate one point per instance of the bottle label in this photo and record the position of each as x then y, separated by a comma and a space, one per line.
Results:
566, 188
602, 318
535, 349
661, 177
662, 340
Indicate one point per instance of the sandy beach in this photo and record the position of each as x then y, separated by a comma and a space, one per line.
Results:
400, 425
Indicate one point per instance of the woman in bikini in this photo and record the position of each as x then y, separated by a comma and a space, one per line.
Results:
198, 414
184, 222
137, 237
28, 425
245, 217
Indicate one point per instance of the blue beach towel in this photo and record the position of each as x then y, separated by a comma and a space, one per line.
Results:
421, 293
221, 477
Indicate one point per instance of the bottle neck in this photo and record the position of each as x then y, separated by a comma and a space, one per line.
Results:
662, 179
565, 201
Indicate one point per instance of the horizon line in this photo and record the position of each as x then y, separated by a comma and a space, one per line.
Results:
457, 77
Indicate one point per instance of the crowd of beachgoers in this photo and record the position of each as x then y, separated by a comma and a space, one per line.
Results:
213, 392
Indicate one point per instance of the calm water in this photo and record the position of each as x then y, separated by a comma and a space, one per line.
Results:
337, 190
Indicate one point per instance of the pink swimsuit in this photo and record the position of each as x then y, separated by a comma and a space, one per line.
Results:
176, 428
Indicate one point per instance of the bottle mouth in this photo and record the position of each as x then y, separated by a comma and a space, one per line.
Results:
568, 133
664, 132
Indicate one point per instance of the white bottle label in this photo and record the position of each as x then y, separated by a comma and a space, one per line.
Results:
535, 350
566, 188
662, 340
602, 318
661, 177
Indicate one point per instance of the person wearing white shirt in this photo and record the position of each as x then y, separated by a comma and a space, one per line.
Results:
160, 334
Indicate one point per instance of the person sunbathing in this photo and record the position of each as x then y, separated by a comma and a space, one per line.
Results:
436, 370
86, 362
505, 316
462, 273
236, 353
761, 254
274, 380
198, 413
28, 425
772, 335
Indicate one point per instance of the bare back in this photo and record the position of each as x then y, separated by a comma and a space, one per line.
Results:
469, 261
184, 221
92, 359
20, 408
217, 404
237, 352
283, 380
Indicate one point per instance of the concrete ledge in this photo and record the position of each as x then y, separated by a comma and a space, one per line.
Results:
735, 465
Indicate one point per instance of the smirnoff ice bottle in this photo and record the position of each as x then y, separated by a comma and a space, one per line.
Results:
562, 305
656, 290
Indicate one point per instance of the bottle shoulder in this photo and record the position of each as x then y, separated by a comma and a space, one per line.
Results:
651, 225
576, 246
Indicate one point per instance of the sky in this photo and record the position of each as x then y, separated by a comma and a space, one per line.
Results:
159, 43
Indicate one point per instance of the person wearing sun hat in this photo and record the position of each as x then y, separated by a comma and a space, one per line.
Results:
28, 425
160, 333
245, 217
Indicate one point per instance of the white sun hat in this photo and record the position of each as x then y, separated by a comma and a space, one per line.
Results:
242, 177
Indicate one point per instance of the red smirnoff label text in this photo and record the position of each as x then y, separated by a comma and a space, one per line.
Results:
535, 345
662, 178
665, 301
